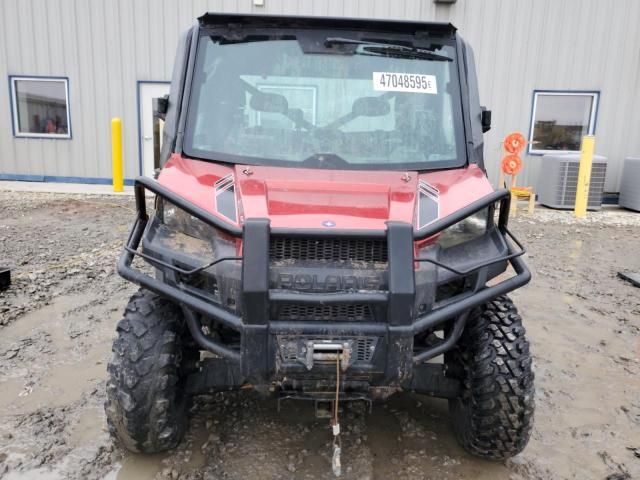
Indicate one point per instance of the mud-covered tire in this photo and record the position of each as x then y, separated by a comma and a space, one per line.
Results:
146, 406
493, 417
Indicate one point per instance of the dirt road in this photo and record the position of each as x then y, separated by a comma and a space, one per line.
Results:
58, 320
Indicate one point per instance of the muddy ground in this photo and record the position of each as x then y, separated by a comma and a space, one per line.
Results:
58, 321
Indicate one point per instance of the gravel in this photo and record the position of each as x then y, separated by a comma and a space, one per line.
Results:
57, 322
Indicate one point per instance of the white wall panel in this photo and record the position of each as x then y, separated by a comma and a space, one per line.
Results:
106, 46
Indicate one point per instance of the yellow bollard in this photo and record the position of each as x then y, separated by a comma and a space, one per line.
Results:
584, 175
116, 154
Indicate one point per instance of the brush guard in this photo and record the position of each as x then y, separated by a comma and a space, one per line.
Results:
256, 330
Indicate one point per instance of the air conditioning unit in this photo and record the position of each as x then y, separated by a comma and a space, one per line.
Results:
630, 184
558, 180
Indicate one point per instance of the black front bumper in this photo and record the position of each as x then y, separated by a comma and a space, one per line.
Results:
255, 359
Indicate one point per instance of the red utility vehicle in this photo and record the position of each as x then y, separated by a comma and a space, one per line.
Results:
323, 230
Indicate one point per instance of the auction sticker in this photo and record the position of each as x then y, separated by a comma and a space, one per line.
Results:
404, 82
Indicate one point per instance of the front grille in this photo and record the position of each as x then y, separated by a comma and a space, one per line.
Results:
329, 249
351, 312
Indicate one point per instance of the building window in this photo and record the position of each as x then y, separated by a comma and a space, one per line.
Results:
559, 120
40, 107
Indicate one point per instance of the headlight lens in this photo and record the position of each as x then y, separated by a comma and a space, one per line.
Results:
180, 221
465, 230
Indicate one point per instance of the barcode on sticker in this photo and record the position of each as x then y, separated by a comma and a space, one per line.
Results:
404, 82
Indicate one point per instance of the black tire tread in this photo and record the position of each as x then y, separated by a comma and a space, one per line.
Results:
494, 417
145, 408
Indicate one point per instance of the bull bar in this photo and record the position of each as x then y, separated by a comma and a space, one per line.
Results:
254, 325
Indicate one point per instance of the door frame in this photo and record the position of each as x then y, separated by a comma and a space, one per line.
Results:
139, 84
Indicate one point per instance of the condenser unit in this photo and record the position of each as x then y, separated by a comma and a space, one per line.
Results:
558, 180
630, 184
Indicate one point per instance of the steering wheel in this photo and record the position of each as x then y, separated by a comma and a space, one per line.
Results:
327, 137
323, 139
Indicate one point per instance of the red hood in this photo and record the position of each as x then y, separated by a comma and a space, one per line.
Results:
313, 198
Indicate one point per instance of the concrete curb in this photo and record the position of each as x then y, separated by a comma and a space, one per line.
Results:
49, 187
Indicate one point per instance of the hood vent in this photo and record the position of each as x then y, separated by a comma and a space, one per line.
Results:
225, 198
428, 204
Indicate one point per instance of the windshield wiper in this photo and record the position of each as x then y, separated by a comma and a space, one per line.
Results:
375, 48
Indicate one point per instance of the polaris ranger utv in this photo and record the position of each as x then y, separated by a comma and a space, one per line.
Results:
323, 230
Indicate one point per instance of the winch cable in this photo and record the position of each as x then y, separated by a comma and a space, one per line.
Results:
335, 425
335, 408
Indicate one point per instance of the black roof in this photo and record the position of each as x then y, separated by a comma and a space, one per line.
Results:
292, 21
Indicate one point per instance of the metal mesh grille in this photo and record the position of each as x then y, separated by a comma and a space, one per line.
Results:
363, 348
351, 312
331, 249
289, 351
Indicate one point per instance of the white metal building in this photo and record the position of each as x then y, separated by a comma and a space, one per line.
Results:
550, 69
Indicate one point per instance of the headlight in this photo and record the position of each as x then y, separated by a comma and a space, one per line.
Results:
178, 231
180, 221
465, 230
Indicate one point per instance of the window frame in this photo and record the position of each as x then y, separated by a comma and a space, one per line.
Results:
593, 117
14, 106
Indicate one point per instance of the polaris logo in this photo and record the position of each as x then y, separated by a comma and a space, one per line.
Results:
312, 283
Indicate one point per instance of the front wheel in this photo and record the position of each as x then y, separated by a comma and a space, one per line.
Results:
493, 417
146, 404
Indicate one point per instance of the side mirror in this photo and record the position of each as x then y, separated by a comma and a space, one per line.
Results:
485, 119
160, 107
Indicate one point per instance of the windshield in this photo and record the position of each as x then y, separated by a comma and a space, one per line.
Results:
341, 103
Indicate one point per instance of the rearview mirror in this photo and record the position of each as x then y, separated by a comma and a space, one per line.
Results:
269, 102
160, 107
370, 107
485, 119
